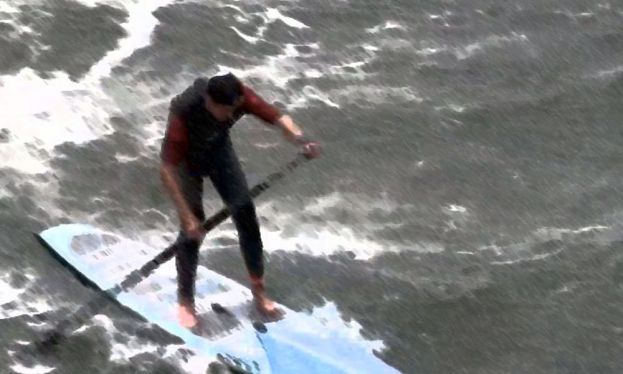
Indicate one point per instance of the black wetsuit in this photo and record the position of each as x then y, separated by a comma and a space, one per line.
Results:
200, 146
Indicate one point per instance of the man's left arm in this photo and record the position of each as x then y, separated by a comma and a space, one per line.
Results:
293, 133
255, 105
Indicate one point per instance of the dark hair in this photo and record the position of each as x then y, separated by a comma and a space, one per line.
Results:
224, 89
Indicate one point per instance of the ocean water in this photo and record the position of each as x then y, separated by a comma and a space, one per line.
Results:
466, 211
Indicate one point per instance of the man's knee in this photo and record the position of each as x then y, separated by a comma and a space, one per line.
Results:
186, 244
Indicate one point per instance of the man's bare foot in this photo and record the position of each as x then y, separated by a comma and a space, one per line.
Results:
186, 316
264, 305
268, 307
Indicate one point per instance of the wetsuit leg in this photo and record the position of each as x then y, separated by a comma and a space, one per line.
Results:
229, 181
187, 253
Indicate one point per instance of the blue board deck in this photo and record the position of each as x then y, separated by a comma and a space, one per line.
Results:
320, 342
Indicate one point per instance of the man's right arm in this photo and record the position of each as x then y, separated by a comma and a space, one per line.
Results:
168, 175
174, 148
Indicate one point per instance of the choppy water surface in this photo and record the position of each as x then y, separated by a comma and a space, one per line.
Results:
465, 213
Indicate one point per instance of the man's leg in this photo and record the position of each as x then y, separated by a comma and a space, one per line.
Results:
187, 253
228, 178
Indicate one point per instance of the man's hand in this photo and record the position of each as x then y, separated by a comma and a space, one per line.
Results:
293, 133
190, 224
311, 149
192, 227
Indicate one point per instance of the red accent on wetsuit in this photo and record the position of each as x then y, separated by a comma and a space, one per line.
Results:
255, 105
175, 144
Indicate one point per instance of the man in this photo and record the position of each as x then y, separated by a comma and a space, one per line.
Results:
197, 145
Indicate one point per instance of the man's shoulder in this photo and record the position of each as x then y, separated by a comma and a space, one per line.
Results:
200, 84
190, 97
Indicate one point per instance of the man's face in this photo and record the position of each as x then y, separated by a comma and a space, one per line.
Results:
220, 111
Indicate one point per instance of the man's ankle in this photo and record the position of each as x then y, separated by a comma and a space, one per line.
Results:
257, 283
189, 305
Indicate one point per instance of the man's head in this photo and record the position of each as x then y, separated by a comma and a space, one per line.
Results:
223, 95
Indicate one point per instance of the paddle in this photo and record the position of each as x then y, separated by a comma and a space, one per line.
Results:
77, 318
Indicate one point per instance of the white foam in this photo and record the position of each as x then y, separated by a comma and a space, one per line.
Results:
125, 159
133, 346
361, 204
374, 95
456, 208
490, 41
20, 306
278, 69
521, 252
356, 65
610, 72
453, 107
94, 3
273, 14
465, 253
575, 15
322, 204
241, 19
43, 114
8, 293
428, 51
235, 7
47, 112
585, 15
533, 258
122, 352
139, 27
248, 38
388, 25
312, 92
316, 242
559, 233
5, 7
37, 369
313, 73
332, 237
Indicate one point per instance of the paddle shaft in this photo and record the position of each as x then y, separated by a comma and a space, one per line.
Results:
135, 277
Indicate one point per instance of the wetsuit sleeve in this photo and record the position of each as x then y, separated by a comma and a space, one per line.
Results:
255, 105
175, 143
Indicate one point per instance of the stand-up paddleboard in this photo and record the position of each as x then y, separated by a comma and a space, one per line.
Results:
229, 329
